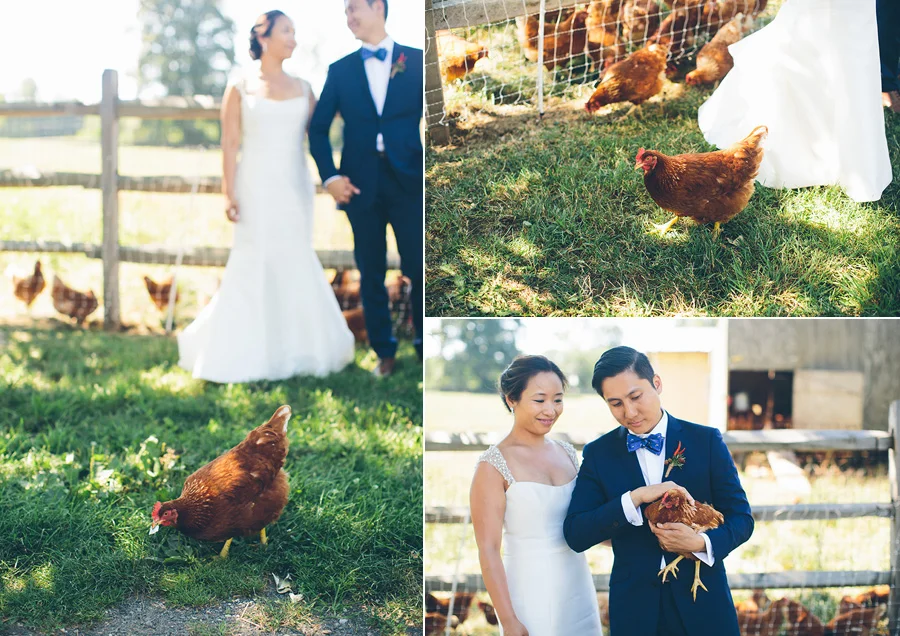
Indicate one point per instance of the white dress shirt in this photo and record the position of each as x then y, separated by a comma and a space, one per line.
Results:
378, 73
652, 470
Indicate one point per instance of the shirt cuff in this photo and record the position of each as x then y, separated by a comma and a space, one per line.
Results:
707, 556
330, 179
632, 514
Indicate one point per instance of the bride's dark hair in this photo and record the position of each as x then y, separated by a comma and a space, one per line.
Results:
262, 29
516, 376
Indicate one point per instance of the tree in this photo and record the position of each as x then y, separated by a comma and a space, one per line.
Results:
188, 49
473, 354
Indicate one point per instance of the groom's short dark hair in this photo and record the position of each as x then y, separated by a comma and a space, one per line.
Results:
618, 360
384, 2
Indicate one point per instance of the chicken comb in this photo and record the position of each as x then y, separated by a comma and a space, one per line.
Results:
640, 155
155, 513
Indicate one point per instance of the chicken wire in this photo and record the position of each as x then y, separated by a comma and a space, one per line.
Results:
502, 39
173, 233
786, 542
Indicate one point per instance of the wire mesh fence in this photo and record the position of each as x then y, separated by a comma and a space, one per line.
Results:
59, 193
822, 558
492, 54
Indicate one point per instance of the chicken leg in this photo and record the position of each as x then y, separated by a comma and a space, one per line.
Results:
671, 568
697, 581
666, 226
717, 229
262, 537
224, 553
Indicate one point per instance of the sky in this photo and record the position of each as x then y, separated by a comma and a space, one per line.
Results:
65, 46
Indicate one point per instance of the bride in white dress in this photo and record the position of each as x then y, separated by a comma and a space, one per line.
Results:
275, 314
813, 77
520, 495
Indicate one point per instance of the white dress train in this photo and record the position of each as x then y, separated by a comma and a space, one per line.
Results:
275, 315
813, 77
550, 585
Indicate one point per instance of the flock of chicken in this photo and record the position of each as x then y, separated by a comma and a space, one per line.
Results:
857, 615
710, 187
80, 305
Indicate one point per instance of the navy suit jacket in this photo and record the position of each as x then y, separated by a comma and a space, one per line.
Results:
346, 91
595, 514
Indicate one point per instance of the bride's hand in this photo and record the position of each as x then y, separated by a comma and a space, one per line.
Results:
516, 629
231, 209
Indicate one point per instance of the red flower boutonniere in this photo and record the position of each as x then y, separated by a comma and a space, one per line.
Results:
399, 66
675, 461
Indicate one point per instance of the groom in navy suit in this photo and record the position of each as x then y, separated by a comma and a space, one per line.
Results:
378, 90
621, 473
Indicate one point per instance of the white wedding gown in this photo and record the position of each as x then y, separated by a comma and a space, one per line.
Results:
550, 585
813, 77
275, 314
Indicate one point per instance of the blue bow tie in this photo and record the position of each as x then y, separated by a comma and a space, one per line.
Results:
652, 443
379, 53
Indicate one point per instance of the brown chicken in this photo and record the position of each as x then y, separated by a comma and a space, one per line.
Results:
28, 288
722, 11
566, 41
603, 42
436, 623
673, 507
490, 614
237, 494
159, 292
680, 30
346, 288
707, 187
714, 61
761, 623
635, 79
858, 622
72, 303
528, 30
878, 595
356, 321
457, 55
639, 19
462, 603
800, 621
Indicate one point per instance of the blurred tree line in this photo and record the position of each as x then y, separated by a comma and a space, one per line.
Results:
474, 352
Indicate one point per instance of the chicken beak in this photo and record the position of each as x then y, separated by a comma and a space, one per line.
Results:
154, 527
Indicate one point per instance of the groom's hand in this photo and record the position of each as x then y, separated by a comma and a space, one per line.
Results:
677, 537
342, 190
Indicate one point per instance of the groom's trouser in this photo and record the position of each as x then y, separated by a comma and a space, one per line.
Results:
669, 619
888, 12
404, 211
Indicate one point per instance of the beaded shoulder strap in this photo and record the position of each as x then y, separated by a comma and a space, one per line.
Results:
573, 454
494, 457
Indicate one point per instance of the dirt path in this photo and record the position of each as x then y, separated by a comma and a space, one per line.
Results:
151, 617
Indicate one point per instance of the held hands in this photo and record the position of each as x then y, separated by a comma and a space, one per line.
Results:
231, 209
342, 190
677, 537
648, 494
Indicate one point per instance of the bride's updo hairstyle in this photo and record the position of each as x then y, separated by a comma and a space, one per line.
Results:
514, 380
262, 29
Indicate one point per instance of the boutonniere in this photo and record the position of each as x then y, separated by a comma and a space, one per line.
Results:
399, 66
675, 461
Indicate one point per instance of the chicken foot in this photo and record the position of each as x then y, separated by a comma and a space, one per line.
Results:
224, 553
697, 581
671, 568
262, 537
662, 229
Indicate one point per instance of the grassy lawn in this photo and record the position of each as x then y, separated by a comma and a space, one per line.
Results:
550, 218
94, 428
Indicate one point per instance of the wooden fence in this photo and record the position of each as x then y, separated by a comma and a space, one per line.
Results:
111, 109
743, 441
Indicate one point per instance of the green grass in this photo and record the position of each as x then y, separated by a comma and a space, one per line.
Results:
550, 218
95, 427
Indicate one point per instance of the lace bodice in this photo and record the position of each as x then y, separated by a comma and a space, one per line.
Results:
495, 458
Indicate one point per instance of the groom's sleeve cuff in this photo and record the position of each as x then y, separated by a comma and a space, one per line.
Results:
632, 514
706, 557
330, 179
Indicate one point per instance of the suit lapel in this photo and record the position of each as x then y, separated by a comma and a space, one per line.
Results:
674, 434
393, 81
362, 79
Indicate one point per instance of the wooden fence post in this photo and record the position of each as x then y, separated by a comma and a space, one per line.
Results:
109, 144
894, 475
434, 91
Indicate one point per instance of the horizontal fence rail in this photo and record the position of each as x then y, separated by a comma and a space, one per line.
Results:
737, 441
